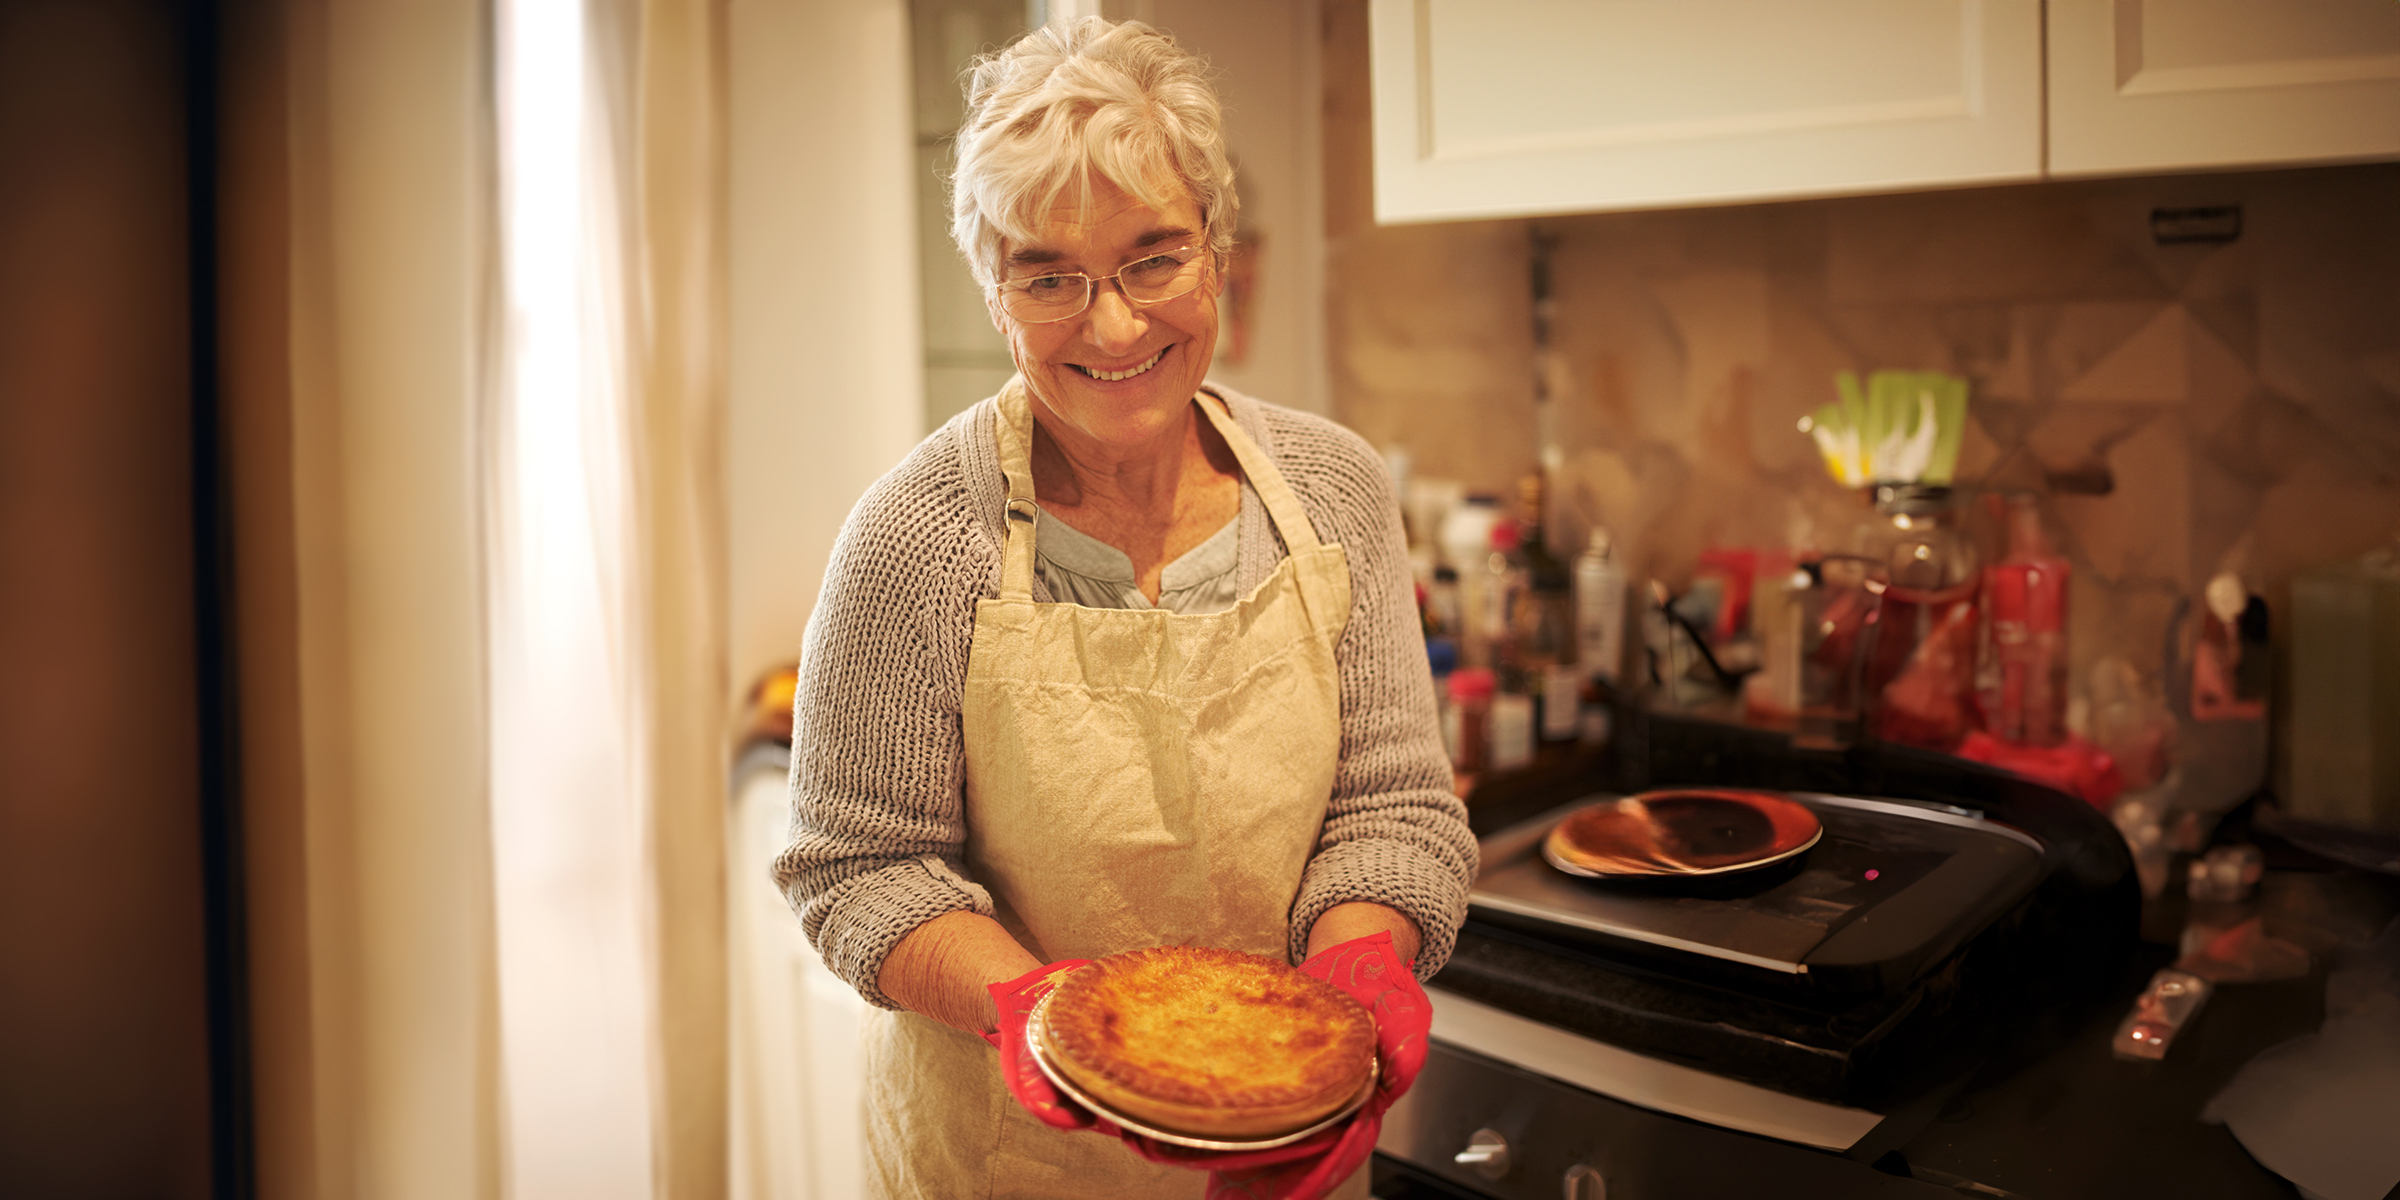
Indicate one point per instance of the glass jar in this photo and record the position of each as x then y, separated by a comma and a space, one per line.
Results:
1919, 682
1835, 604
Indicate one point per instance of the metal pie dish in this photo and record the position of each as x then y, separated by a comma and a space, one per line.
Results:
1684, 833
1050, 1071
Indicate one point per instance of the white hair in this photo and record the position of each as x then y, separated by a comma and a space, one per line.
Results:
1078, 97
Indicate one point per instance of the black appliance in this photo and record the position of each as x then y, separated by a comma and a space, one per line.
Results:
1773, 1031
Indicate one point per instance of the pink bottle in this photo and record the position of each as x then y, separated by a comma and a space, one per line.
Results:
2024, 671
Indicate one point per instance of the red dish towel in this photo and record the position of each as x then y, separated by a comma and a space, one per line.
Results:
1366, 968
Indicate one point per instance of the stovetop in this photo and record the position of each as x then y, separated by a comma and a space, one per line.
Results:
1890, 887
1991, 894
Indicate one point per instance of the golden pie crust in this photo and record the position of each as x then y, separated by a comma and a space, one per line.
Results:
1209, 1042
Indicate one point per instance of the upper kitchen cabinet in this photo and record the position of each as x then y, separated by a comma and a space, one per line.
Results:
2164, 85
1540, 106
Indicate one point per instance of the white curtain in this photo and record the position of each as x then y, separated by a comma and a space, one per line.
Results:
571, 851
605, 601
475, 379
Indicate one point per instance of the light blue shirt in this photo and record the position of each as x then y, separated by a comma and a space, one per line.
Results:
1078, 568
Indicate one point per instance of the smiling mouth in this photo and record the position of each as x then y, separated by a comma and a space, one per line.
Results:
1127, 373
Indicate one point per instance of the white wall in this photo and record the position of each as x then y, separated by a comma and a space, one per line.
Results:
1264, 54
827, 383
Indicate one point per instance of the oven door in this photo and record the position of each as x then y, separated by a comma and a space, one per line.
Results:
1476, 1127
1395, 1179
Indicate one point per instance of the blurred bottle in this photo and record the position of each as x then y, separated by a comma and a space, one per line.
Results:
1466, 541
2232, 670
1542, 625
1441, 655
2343, 768
2129, 721
1467, 721
1837, 613
1499, 590
1599, 631
1664, 665
1777, 607
2023, 673
1443, 617
1512, 731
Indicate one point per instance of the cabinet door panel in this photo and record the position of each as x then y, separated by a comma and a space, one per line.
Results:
1503, 107
2151, 85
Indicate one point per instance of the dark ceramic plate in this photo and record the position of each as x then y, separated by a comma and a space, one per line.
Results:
1681, 834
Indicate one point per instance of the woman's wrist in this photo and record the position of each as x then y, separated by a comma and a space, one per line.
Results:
943, 969
1355, 919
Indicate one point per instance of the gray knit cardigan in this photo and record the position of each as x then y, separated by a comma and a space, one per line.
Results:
878, 764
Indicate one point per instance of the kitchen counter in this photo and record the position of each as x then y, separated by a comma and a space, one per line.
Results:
2053, 1114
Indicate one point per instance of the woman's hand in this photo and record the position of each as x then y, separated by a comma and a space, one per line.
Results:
943, 968
1361, 918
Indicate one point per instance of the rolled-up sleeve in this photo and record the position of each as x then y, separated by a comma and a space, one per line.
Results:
877, 820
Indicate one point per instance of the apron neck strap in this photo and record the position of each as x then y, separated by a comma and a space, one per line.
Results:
1016, 465
1290, 519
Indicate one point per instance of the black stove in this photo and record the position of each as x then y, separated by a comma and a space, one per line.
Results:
1798, 1019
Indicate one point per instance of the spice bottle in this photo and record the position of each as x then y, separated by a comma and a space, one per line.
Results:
1467, 722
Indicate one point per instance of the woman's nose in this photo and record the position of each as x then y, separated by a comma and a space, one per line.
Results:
1115, 325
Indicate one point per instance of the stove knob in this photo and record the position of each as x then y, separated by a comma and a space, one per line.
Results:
1486, 1153
1583, 1182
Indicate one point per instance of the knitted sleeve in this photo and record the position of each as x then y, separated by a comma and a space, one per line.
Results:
1394, 832
877, 758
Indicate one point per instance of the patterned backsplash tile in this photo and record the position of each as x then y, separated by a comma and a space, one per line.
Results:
2183, 408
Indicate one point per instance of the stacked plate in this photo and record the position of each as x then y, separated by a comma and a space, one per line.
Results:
1681, 834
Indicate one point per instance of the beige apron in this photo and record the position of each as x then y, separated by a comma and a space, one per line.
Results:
1134, 778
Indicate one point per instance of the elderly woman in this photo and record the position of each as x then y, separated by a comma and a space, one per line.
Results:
1115, 658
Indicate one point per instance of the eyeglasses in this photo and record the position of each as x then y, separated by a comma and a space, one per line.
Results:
1154, 280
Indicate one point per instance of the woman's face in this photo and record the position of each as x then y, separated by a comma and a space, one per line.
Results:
1162, 351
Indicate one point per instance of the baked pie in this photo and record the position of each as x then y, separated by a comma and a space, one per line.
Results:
1209, 1042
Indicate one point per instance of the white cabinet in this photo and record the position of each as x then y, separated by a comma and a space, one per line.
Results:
2165, 85
1488, 108
1513, 107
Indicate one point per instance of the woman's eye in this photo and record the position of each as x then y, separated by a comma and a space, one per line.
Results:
1052, 285
1156, 267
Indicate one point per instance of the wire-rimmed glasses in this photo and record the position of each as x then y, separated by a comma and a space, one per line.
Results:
1154, 279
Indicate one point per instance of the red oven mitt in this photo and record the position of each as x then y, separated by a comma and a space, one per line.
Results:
1015, 1000
1366, 968
1376, 978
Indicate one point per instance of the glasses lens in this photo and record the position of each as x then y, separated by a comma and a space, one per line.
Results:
1161, 276
1047, 298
